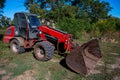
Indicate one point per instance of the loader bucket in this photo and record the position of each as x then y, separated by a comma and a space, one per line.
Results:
83, 58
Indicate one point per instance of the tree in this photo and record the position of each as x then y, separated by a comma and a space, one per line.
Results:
4, 21
91, 10
28, 3
99, 10
2, 5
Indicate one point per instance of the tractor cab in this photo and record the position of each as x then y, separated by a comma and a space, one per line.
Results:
26, 25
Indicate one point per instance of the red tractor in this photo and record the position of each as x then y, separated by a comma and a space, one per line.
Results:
28, 33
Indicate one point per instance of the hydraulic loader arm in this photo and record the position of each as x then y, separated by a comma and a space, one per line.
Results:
61, 36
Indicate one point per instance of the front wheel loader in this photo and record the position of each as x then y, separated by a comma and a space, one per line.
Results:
27, 32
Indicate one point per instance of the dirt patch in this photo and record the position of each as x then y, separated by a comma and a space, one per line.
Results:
94, 71
116, 64
70, 76
36, 66
12, 65
116, 54
55, 60
5, 61
4, 75
105, 39
27, 75
116, 78
2, 72
113, 66
48, 75
52, 68
100, 63
118, 61
10, 74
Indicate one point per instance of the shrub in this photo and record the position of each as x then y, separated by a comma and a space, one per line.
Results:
74, 26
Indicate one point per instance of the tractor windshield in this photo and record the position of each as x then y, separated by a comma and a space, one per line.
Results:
34, 21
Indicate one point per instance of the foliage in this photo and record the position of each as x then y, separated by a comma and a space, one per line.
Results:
75, 16
90, 9
107, 26
5, 22
34, 9
74, 26
2, 5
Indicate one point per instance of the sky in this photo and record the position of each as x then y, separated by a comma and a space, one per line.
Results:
13, 6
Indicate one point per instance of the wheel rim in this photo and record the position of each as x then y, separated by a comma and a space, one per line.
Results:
40, 52
14, 47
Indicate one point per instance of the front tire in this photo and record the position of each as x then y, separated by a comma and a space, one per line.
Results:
15, 46
43, 51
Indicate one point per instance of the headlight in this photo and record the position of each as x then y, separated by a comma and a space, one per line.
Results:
40, 32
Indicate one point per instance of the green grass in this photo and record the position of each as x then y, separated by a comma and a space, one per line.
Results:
55, 70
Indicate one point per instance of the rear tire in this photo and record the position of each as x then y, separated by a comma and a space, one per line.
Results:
15, 46
43, 51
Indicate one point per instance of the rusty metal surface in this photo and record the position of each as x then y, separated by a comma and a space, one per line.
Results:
84, 58
93, 47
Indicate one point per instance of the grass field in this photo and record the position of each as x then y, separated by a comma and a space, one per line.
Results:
26, 67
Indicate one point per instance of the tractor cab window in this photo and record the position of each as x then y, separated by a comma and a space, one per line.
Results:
22, 21
34, 21
16, 20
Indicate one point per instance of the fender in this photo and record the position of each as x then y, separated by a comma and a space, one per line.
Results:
20, 39
10, 32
